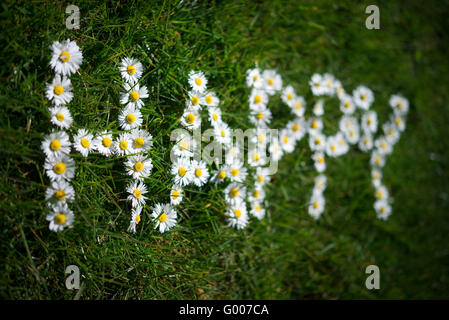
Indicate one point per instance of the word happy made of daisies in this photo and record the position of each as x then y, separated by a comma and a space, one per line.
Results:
244, 183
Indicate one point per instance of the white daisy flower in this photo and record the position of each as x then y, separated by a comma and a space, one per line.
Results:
138, 166
135, 218
369, 121
352, 135
288, 96
232, 153
197, 81
332, 146
195, 100
383, 146
399, 122
298, 107
391, 133
315, 125
176, 195
298, 128
344, 146
61, 117
316, 206
185, 146
320, 184
165, 217
191, 118
142, 140
181, 169
258, 99
133, 95
210, 99
377, 159
347, 123
317, 142
56, 143
272, 81
123, 145
256, 195
137, 190
319, 161
234, 192
60, 217
328, 80
222, 133
399, 104
381, 193
200, 173
260, 116
237, 171
347, 105
339, 89
214, 115
260, 138
287, 140
66, 57
59, 168
103, 143
317, 85
59, 91
383, 209
254, 78
262, 176
366, 142
237, 215
257, 210
318, 108
83, 142
220, 174
130, 117
363, 97
376, 176
131, 70
276, 150
60, 191
257, 156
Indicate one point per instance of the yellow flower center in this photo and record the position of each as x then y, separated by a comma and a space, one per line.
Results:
369, 121
58, 90
320, 159
215, 117
234, 172
209, 99
315, 205
256, 157
347, 105
55, 145
390, 132
163, 217
134, 95
137, 193
255, 78
184, 145
333, 147
376, 175
256, 194
397, 121
59, 168
138, 166
237, 213
329, 84
382, 210
363, 97
123, 145
257, 207
261, 137
317, 84
182, 171
139, 142
223, 133
366, 140
270, 81
175, 194
379, 194
260, 115
314, 124
60, 116
289, 96
378, 159
351, 133
195, 100
131, 70
234, 192
64, 56
138, 219
60, 194
257, 99
260, 179
130, 118
340, 90
295, 127
85, 143
317, 141
60, 219
190, 118
221, 175
399, 105
198, 172
285, 139
198, 81
106, 142
298, 106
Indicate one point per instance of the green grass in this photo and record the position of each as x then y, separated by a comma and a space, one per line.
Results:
286, 256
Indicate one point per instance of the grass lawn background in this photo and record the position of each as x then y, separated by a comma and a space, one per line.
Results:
286, 256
